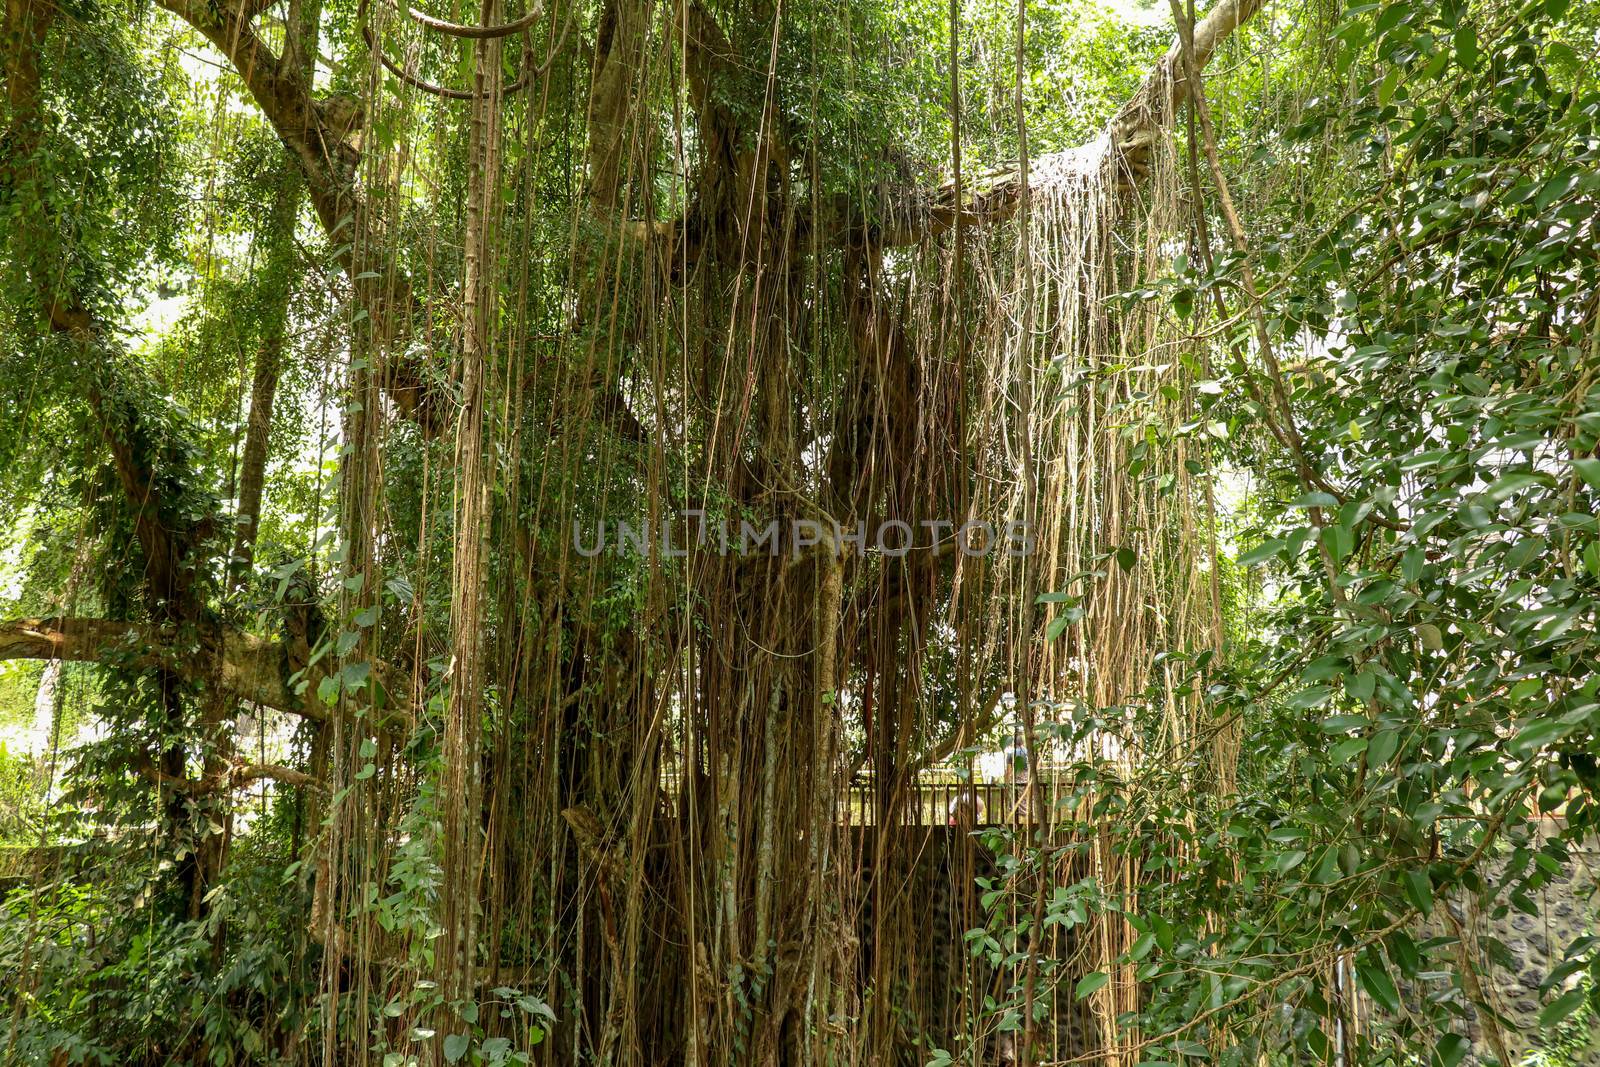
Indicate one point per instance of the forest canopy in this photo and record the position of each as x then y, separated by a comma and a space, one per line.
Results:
799, 532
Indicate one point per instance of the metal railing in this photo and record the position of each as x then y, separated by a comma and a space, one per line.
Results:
938, 798
936, 803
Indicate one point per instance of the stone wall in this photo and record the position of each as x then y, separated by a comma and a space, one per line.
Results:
1517, 952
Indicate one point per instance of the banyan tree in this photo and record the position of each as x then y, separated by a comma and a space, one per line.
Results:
607, 457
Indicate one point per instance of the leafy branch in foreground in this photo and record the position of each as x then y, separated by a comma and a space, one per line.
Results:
1424, 706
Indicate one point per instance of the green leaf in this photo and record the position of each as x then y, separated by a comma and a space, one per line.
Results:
1538, 733
1310, 697
1466, 42
1561, 1007
1419, 890
355, 675
1379, 986
1404, 952
1342, 724
455, 1047
1588, 470
1451, 1050
1411, 565
534, 1006
1166, 936
1262, 552
1525, 689
1288, 861
1509, 484
1384, 745
1392, 16
1348, 749
1089, 983
1387, 86
328, 689
1555, 189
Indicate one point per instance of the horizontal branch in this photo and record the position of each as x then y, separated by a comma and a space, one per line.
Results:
1129, 135
248, 667
912, 216
233, 776
245, 773
988, 199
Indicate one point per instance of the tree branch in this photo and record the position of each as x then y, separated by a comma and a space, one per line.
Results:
985, 199
318, 144
245, 773
268, 368
251, 668
993, 198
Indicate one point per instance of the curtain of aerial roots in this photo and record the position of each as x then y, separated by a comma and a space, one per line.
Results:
1105, 380
399, 860
1112, 382
665, 744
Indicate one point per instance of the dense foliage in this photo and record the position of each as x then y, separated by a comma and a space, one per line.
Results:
1422, 688
325, 328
